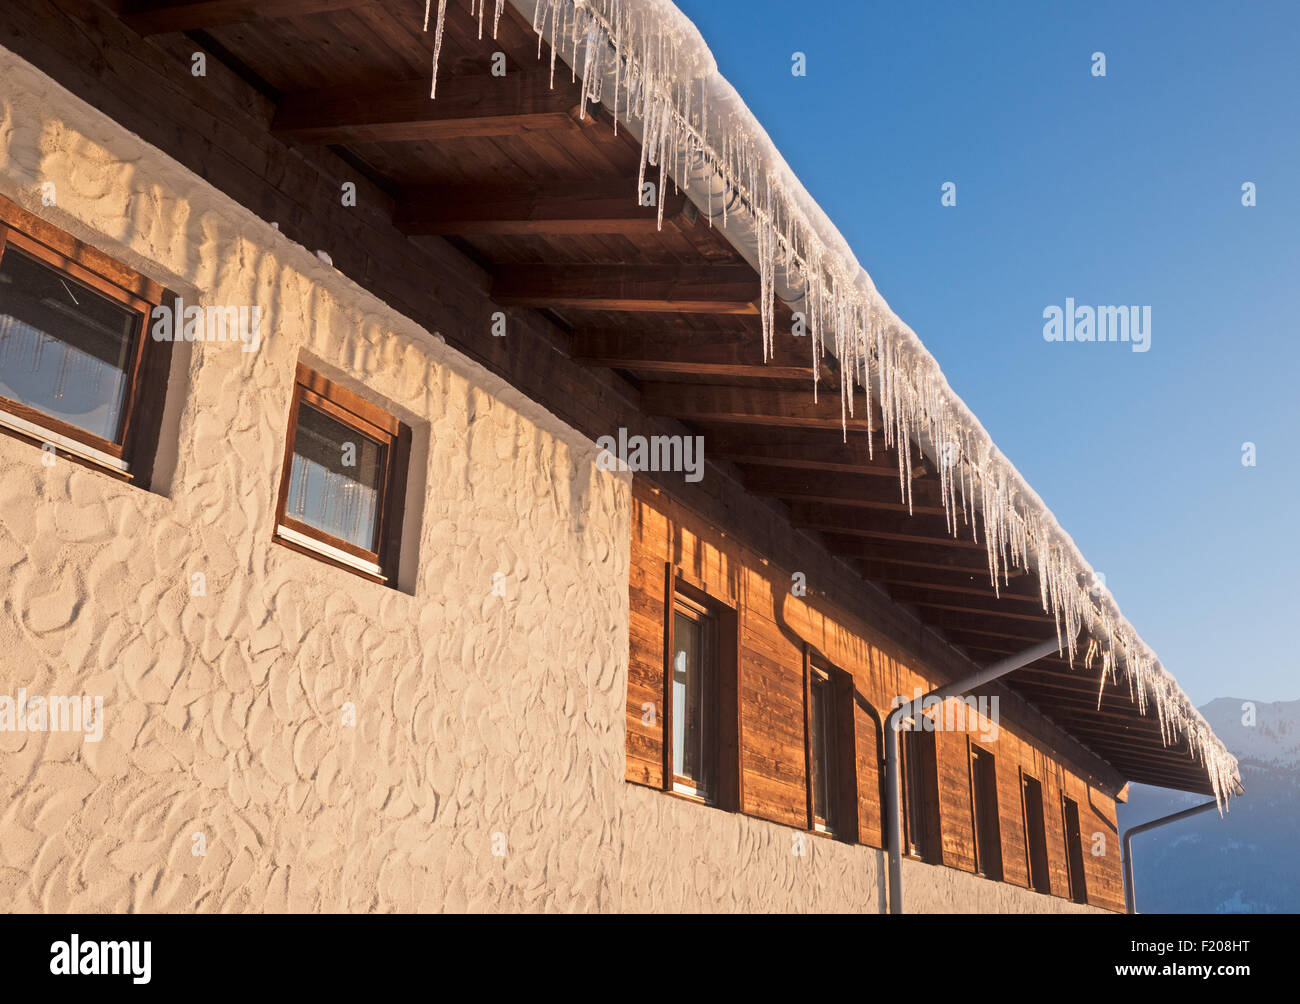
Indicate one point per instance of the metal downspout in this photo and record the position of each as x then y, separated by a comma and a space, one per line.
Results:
893, 777
1132, 831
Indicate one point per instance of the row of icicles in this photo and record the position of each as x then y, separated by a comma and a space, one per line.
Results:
655, 84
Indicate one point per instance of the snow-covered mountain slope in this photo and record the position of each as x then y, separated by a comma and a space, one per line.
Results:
1246, 862
1272, 739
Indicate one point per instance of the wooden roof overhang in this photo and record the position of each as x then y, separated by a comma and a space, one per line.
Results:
508, 172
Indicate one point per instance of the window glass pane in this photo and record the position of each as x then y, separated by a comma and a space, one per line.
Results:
1074, 855
914, 788
64, 348
688, 706
988, 838
1035, 835
819, 748
334, 480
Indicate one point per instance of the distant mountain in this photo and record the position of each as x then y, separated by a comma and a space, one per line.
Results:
1249, 860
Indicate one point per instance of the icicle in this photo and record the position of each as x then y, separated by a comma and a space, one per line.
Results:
656, 68
437, 40
618, 63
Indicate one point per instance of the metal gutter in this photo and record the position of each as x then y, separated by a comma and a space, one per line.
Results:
1127, 853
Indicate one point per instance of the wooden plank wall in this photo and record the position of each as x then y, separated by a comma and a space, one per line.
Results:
669, 539
1096, 824
871, 776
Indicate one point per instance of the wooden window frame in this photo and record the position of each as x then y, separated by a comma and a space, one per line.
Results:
922, 838
1077, 875
1035, 834
723, 751
819, 680
841, 818
359, 415
990, 869
129, 456
705, 786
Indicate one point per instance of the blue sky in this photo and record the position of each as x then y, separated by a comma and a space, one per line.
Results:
1117, 190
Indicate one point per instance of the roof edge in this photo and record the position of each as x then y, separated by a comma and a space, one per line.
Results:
693, 125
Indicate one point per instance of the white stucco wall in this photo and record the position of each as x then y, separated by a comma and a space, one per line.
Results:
683, 857
475, 715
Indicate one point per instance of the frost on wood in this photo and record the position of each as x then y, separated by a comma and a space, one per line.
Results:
646, 62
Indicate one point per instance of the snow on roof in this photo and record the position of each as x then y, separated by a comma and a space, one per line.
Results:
696, 129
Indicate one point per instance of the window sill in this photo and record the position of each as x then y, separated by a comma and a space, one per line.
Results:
687, 794
303, 542
65, 444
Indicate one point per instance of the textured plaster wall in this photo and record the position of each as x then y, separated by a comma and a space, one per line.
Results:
482, 722
475, 714
681, 857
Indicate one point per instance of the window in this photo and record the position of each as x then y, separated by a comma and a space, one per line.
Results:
343, 483
920, 794
701, 719
823, 775
831, 750
1074, 852
1035, 833
694, 686
76, 370
984, 806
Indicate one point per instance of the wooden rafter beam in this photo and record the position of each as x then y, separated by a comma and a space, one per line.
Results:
985, 607
1055, 670
949, 581
1069, 713
1172, 760
1083, 683
1197, 782
152, 17
857, 490
479, 105
609, 208
933, 556
705, 353
848, 458
854, 522
1115, 702
955, 625
1122, 729
1188, 775
710, 289
746, 406
1115, 737
1163, 762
